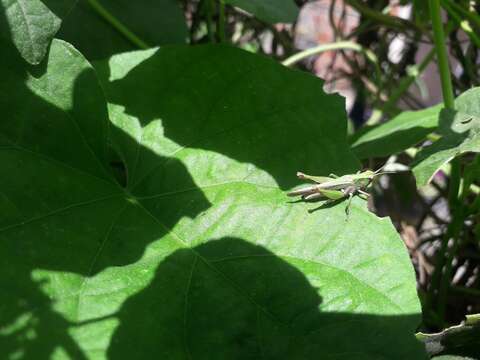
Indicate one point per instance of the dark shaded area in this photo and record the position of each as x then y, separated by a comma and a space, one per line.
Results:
398, 198
230, 299
60, 8
155, 22
461, 340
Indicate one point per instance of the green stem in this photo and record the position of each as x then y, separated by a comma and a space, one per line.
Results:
461, 22
378, 17
209, 8
471, 16
440, 279
341, 45
466, 291
221, 21
104, 13
413, 73
442, 56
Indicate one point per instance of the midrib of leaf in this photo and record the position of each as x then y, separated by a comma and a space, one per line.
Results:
9, 201
57, 162
59, 211
95, 258
233, 182
72, 119
259, 333
185, 311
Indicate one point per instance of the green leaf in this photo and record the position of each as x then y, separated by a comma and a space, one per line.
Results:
271, 11
459, 342
201, 255
152, 22
32, 24
460, 130
397, 135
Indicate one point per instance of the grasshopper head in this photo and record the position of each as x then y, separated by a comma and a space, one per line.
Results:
370, 174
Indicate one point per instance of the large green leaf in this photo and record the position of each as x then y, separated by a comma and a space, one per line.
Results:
271, 11
397, 135
460, 130
31, 24
155, 22
200, 256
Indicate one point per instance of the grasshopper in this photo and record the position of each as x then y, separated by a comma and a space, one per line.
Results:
332, 188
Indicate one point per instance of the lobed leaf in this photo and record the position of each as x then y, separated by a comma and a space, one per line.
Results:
200, 255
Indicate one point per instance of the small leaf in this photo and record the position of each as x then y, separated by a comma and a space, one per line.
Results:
271, 11
31, 24
397, 135
460, 130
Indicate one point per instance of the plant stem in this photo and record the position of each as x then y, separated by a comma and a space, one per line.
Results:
440, 279
474, 18
221, 21
104, 13
378, 17
341, 45
464, 24
466, 291
413, 73
442, 56
209, 9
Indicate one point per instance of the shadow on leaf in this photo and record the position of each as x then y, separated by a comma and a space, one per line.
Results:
230, 299
243, 106
80, 250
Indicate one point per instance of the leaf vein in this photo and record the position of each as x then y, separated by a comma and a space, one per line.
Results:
59, 211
